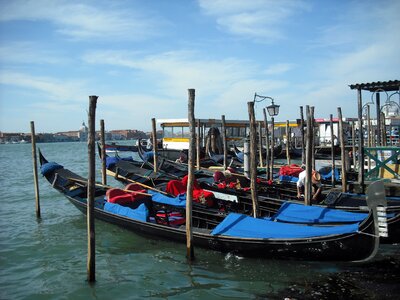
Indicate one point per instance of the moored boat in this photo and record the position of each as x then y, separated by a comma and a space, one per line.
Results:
234, 232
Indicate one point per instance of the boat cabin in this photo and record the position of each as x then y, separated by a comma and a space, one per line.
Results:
176, 131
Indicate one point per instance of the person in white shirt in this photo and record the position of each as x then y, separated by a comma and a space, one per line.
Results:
316, 184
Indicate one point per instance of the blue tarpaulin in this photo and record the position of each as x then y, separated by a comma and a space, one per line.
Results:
238, 225
178, 201
141, 213
49, 168
298, 213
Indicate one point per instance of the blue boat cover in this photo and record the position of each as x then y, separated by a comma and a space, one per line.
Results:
49, 168
141, 213
178, 201
240, 156
111, 161
148, 155
288, 178
326, 173
299, 213
238, 225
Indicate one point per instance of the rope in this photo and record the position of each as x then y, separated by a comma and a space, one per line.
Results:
369, 234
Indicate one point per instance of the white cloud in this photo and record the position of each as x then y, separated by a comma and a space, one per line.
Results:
28, 52
55, 89
257, 19
278, 68
88, 20
179, 70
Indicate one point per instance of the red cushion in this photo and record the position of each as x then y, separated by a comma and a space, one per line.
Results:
136, 188
118, 196
176, 187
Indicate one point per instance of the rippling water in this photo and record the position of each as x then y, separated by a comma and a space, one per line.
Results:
46, 258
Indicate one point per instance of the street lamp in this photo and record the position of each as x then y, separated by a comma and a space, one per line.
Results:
273, 109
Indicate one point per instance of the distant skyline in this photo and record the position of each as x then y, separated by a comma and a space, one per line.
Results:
141, 57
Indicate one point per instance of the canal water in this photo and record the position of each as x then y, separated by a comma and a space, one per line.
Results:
46, 258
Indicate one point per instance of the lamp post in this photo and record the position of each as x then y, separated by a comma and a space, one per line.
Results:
273, 109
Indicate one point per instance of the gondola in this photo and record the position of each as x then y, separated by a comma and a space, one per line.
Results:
114, 148
236, 233
271, 196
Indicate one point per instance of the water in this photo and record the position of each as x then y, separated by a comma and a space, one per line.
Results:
46, 258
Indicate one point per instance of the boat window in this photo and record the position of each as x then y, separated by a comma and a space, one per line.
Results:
177, 132
168, 132
185, 132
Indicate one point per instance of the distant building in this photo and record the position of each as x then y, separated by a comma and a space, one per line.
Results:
127, 134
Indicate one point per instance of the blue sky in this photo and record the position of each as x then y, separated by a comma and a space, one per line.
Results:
141, 57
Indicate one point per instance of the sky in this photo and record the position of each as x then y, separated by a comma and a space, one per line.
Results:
141, 57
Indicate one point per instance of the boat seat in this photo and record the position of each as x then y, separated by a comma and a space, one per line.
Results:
131, 200
177, 187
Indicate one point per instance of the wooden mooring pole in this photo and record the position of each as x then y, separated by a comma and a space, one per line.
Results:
266, 144
287, 142
35, 175
361, 175
353, 138
103, 153
272, 146
189, 191
332, 151
225, 145
253, 162
155, 145
198, 146
313, 138
91, 259
303, 145
309, 142
260, 145
342, 151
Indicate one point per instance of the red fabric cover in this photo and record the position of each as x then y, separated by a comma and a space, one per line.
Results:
176, 187
292, 170
121, 197
118, 196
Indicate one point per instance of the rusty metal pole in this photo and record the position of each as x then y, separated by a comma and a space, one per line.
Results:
91, 259
189, 191
35, 175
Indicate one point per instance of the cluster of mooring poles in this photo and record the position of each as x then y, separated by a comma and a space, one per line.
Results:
250, 161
